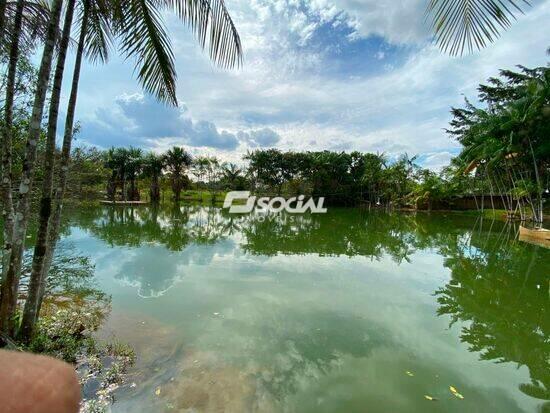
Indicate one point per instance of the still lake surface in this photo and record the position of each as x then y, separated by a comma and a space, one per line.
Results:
350, 311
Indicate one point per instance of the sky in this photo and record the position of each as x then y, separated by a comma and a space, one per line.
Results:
339, 75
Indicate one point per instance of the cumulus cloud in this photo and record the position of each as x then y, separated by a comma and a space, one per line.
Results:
436, 161
138, 119
260, 138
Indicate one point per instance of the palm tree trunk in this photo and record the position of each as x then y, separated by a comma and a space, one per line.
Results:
155, 189
111, 187
7, 178
538, 215
29, 312
176, 187
10, 286
55, 221
123, 184
3, 4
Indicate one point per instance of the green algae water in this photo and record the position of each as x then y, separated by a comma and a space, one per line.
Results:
349, 311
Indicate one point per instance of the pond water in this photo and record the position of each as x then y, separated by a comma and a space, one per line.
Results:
349, 311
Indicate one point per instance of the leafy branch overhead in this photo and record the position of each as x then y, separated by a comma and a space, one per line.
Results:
143, 35
468, 25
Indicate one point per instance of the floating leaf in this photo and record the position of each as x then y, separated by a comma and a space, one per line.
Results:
430, 398
456, 393
409, 373
157, 391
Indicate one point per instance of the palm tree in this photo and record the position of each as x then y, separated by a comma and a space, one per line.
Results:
110, 162
212, 170
177, 161
231, 174
122, 159
153, 166
133, 169
137, 23
200, 168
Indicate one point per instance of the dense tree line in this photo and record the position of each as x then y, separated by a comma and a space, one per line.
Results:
343, 178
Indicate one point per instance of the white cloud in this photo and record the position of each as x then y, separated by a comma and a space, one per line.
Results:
437, 160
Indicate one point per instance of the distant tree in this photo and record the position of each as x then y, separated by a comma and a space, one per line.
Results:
232, 176
177, 161
111, 163
134, 168
152, 167
212, 171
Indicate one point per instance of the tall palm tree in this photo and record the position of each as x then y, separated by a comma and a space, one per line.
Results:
94, 40
133, 169
110, 162
231, 174
122, 159
177, 161
200, 168
153, 166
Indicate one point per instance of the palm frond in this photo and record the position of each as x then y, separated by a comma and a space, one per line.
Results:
470, 25
144, 37
213, 27
36, 15
98, 37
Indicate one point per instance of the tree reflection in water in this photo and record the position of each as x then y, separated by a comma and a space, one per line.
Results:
498, 286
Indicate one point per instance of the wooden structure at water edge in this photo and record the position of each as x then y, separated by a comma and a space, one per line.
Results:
124, 203
538, 236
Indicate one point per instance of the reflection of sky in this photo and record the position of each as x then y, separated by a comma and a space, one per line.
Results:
318, 333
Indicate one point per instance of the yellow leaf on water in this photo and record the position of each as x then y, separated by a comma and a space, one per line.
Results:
455, 392
157, 391
430, 398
